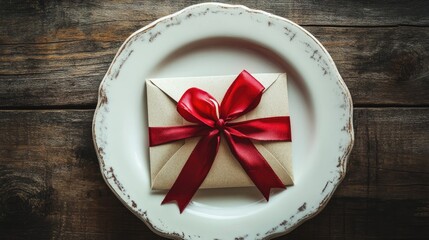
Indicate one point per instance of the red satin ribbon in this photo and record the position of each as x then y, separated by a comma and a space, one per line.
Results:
212, 119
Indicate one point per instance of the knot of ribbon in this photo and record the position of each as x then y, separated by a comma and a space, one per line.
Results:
213, 120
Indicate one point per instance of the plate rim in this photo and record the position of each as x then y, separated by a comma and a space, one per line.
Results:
343, 161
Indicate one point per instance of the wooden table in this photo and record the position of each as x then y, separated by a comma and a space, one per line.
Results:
53, 55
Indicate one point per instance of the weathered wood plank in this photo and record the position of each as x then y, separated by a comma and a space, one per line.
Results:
387, 66
50, 185
390, 155
50, 16
54, 54
381, 66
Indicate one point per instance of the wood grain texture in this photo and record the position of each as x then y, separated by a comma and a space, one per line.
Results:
51, 52
53, 55
51, 186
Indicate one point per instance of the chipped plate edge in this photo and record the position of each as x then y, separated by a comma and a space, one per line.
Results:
342, 165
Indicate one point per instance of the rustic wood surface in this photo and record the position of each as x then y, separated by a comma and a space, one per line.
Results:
53, 55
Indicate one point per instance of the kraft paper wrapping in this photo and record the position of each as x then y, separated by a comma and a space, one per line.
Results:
167, 160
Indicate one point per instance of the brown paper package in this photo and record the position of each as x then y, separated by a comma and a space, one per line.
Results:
166, 161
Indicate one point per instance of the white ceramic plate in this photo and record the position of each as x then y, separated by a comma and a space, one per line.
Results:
219, 39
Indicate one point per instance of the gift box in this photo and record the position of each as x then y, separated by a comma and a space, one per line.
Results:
168, 159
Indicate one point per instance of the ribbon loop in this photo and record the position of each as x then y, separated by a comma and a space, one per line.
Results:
198, 106
242, 96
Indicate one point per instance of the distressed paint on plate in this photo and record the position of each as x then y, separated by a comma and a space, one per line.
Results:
220, 39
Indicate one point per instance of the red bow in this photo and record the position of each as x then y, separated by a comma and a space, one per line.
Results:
212, 119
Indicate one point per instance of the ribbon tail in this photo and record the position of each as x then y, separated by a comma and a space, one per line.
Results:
195, 171
255, 165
